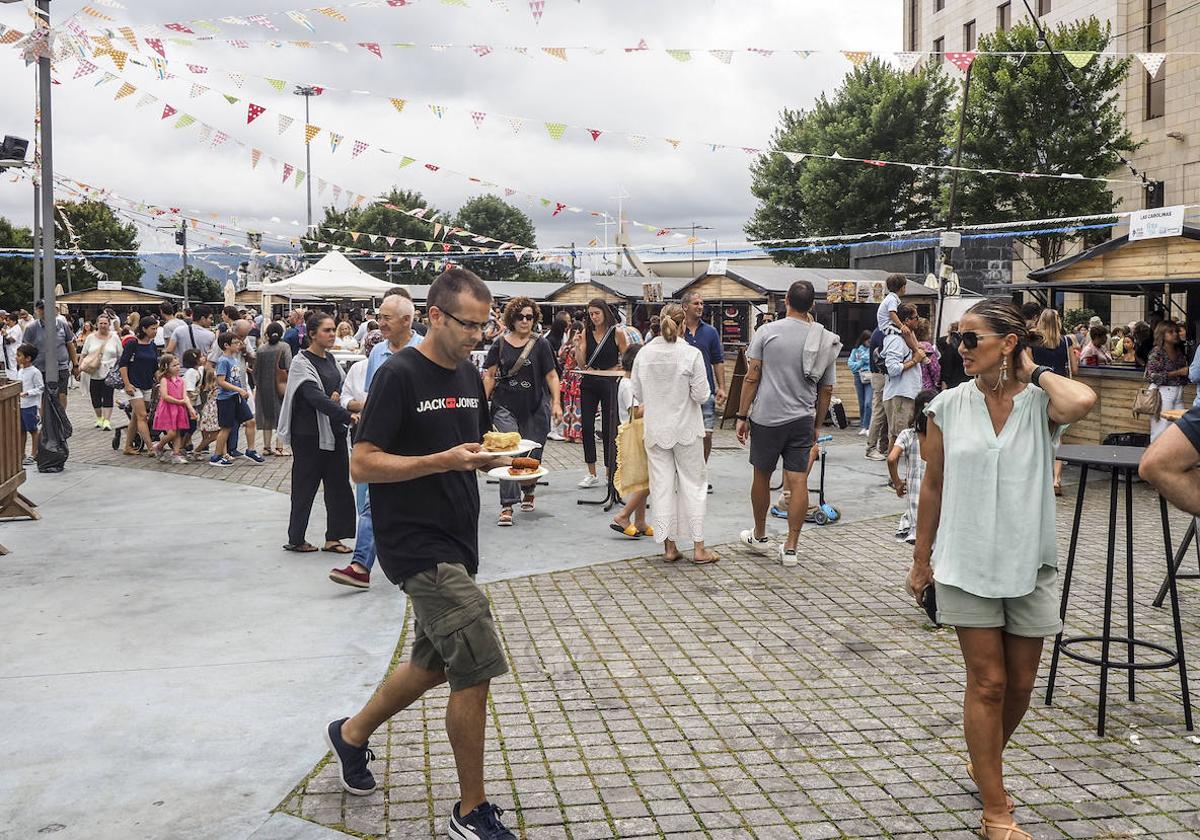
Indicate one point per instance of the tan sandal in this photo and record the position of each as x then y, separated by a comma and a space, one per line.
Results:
971, 773
991, 830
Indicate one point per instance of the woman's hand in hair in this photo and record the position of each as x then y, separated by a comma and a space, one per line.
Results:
1024, 365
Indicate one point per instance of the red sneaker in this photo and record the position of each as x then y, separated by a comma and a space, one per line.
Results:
350, 576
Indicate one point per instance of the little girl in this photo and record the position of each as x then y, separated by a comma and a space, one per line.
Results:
909, 445
174, 412
210, 426
191, 387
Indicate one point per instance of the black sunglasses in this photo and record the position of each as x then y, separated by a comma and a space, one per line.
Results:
524, 317
970, 340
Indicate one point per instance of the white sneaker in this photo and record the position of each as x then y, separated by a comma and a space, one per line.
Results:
589, 481
788, 557
748, 539
555, 436
875, 455
863, 432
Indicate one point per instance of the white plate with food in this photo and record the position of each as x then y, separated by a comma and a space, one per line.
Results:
507, 444
504, 474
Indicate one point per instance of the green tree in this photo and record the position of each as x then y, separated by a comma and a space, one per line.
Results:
16, 273
201, 287
1023, 115
877, 113
378, 220
93, 226
488, 215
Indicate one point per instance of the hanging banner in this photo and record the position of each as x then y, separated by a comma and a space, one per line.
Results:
1155, 224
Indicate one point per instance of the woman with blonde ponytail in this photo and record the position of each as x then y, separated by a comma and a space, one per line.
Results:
670, 383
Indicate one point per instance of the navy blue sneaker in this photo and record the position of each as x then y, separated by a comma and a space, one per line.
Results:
255, 457
481, 824
352, 761
236, 453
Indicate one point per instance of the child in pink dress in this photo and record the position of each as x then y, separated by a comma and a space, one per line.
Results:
174, 411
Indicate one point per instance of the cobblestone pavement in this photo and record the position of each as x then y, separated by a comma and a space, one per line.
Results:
744, 700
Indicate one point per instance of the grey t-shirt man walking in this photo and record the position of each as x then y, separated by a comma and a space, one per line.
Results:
781, 402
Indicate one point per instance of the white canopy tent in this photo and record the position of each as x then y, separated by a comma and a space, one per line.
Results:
332, 277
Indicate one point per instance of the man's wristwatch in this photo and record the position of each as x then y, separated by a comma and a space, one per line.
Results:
741, 417
1036, 376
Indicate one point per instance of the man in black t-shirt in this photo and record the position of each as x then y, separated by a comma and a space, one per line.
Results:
418, 446
1170, 464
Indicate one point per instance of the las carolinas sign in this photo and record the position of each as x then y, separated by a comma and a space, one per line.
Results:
1152, 224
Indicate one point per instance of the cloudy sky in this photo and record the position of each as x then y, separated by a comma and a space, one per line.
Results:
131, 150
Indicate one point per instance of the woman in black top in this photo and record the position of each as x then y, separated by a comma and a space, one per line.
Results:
523, 390
598, 347
138, 364
311, 464
1050, 347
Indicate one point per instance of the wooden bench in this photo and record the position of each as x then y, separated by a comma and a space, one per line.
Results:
13, 505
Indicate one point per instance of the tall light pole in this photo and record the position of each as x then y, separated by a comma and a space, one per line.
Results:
307, 91
181, 239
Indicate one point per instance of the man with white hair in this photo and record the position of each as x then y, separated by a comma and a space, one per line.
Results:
396, 323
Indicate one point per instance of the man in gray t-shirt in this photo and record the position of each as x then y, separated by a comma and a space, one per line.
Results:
781, 404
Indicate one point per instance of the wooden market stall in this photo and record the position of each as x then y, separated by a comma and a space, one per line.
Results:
625, 293
736, 298
1145, 275
90, 302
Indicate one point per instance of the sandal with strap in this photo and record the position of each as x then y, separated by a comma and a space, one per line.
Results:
992, 830
629, 530
971, 774
505, 519
527, 504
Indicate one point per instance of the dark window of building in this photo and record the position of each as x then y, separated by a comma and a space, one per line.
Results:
1156, 41
969, 36
914, 24
1156, 194
1043, 7
1004, 17
938, 5
939, 48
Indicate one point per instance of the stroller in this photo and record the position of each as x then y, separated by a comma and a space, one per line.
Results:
822, 513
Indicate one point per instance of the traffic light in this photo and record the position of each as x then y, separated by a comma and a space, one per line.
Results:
181, 237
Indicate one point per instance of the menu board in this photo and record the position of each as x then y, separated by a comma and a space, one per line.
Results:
852, 291
733, 323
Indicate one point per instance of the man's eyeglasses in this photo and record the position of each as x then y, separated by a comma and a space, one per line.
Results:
970, 340
469, 326
524, 316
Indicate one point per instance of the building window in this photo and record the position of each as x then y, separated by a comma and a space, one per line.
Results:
1004, 17
969, 36
1156, 194
914, 24
938, 5
1043, 8
1156, 41
939, 48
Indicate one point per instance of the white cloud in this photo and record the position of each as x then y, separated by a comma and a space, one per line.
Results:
114, 144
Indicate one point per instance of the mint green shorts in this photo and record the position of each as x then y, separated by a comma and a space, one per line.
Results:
1032, 615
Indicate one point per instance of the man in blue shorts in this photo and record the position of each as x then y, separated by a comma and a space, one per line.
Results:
705, 338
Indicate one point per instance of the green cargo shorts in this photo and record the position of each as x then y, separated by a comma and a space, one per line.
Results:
453, 627
1032, 615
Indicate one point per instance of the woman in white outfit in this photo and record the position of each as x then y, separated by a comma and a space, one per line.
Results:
670, 383
1167, 368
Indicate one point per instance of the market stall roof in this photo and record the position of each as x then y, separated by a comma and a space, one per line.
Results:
502, 290
333, 276
125, 296
775, 280
613, 289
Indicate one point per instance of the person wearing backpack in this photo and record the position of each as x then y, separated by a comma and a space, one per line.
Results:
877, 433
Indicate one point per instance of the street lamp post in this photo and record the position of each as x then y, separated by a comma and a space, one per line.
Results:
307, 91
50, 320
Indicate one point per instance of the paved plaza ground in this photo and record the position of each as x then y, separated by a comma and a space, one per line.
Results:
180, 692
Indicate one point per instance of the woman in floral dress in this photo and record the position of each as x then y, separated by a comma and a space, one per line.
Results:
572, 430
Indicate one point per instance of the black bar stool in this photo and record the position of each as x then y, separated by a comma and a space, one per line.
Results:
1119, 461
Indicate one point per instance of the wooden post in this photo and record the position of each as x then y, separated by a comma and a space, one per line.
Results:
734, 399
12, 474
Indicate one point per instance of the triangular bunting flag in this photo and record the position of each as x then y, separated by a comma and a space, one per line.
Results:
232, 100
219, 138
858, 59
156, 45
680, 55
674, 143
198, 90
1078, 58
168, 111
406, 160
908, 60
358, 149
125, 90
311, 131
300, 176
558, 208
595, 132
184, 121
432, 167
333, 13
238, 79
335, 140
287, 171
321, 185
255, 157
263, 21
372, 48
179, 27
478, 117
637, 141
285, 123
118, 58
961, 60
557, 52
278, 84
794, 157
84, 68
1151, 61
516, 123
481, 49
198, 69
146, 99
300, 19
438, 110
398, 104
556, 130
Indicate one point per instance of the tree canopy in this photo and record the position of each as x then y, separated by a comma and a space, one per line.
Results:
97, 228
16, 273
1023, 115
201, 287
878, 113
488, 215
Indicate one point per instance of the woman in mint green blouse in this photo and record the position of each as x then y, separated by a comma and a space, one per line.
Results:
986, 538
